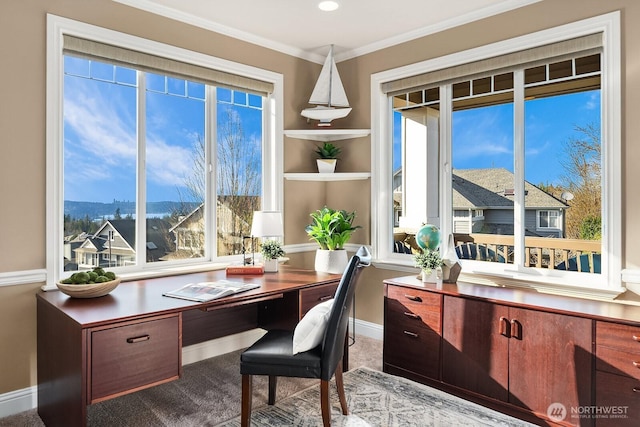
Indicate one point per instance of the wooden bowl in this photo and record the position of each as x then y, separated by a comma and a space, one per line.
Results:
90, 290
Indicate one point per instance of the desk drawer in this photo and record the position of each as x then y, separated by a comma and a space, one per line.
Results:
412, 330
134, 355
622, 337
618, 349
407, 302
310, 297
618, 362
619, 395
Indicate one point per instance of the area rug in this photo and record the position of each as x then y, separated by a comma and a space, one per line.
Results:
378, 399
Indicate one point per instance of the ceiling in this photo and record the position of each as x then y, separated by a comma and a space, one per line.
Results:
299, 28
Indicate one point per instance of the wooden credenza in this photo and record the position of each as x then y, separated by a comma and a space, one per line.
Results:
547, 359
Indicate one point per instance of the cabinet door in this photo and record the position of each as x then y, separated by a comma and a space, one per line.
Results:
550, 360
475, 354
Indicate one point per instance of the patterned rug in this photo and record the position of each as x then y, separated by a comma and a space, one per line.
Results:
378, 399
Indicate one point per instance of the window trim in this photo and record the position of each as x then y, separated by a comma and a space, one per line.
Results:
381, 191
558, 215
57, 27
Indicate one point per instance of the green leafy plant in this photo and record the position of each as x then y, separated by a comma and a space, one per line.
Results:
428, 259
328, 151
271, 249
330, 228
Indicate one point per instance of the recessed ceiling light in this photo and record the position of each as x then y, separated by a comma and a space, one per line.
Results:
328, 6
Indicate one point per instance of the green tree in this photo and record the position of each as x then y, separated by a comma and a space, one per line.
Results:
583, 178
591, 228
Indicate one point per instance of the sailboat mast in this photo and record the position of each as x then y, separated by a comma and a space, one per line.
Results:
330, 74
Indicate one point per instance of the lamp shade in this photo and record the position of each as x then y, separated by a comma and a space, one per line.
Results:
267, 224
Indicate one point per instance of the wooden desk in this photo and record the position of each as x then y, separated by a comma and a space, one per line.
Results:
90, 350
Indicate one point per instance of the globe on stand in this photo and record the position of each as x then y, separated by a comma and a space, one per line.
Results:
428, 236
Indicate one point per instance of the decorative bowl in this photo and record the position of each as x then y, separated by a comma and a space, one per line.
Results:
89, 290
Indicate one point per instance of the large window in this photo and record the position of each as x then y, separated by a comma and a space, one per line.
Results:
157, 156
514, 154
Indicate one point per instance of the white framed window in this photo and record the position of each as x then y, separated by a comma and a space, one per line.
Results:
190, 143
455, 87
549, 219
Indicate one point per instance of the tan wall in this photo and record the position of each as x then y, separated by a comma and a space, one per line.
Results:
22, 133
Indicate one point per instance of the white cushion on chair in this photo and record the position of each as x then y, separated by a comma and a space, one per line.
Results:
310, 330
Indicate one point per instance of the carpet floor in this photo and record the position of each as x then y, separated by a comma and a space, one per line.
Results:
208, 394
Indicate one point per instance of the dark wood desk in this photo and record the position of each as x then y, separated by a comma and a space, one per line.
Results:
90, 350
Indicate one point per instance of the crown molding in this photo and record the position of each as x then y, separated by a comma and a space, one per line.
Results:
197, 21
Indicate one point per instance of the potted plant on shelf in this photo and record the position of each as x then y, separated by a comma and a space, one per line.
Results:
331, 229
271, 250
429, 261
328, 156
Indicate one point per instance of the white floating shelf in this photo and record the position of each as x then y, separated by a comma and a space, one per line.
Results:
326, 135
340, 176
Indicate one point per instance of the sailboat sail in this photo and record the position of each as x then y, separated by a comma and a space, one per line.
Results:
329, 90
328, 93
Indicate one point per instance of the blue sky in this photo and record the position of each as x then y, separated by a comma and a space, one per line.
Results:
483, 137
100, 132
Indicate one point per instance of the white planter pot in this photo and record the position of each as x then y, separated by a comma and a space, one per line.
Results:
270, 265
433, 276
326, 165
331, 261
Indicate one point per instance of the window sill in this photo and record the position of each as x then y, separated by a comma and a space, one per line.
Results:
517, 280
148, 274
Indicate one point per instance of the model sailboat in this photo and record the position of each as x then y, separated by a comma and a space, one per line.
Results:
327, 95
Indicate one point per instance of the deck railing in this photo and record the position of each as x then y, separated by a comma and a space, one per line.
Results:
541, 252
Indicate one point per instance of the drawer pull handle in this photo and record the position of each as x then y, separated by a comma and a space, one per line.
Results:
141, 338
636, 338
413, 298
636, 389
412, 315
411, 334
326, 297
636, 364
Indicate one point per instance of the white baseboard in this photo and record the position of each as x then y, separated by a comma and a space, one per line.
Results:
17, 401
368, 329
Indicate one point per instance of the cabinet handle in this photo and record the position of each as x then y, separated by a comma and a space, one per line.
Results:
505, 327
636, 389
411, 334
516, 329
141, 338
636, 364
326, 297
413, 298
636, 338
412, 315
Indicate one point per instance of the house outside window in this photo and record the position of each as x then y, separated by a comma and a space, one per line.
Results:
433, 118
157, 156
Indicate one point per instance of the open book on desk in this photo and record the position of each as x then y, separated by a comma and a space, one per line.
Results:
207, 291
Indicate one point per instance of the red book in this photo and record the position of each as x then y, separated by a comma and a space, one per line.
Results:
245, 269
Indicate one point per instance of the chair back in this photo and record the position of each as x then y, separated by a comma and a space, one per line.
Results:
335, 334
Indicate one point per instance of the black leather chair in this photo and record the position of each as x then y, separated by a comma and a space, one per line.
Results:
272, 354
